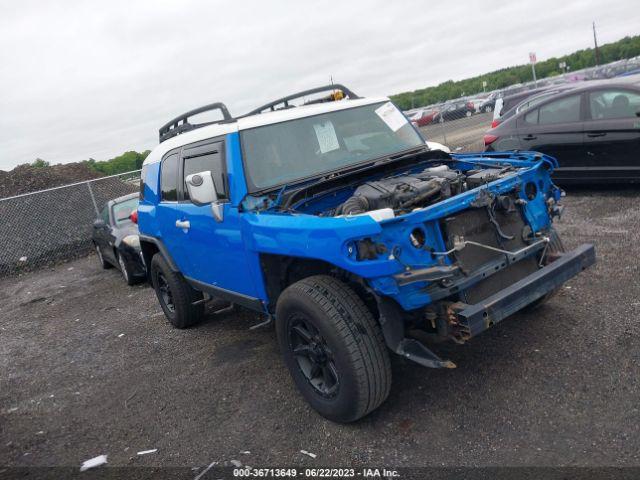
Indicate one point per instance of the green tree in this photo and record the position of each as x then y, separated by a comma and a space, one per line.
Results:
126, 162
39, 163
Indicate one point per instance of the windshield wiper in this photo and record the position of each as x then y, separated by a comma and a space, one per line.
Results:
400, 156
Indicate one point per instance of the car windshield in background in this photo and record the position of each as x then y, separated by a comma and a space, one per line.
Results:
122, 210
284, 152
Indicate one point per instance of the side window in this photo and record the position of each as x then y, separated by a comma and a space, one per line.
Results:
522, 106
169, 178
104, 214
531, 118
561, 111
606, 104
205, 158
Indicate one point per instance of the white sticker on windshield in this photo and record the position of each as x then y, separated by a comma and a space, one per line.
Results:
327, 138
393, 117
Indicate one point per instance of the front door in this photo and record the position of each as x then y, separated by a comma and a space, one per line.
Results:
166, 211
213, 252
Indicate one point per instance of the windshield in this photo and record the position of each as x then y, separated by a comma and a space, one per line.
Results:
122, 210
284, 152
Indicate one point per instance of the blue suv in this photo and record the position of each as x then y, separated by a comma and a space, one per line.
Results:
332, 217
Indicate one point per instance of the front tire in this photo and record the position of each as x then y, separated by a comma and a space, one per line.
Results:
333, 348
177, 298
488, 109
103, 263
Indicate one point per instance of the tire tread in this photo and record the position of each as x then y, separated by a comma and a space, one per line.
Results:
360, 332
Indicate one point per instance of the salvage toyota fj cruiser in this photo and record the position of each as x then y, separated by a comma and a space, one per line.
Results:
334, 219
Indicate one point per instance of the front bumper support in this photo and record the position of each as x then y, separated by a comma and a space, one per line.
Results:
480, 316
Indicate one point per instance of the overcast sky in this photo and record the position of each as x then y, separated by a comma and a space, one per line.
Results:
85, 79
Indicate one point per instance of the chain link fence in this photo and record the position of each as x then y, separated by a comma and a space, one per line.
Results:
49, 226
460, 134
458, 124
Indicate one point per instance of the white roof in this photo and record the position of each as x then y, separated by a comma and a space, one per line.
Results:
257, 120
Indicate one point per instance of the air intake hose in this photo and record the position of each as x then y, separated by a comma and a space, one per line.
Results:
355, 205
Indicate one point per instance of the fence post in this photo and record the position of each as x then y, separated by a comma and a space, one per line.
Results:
444, 130
93, 198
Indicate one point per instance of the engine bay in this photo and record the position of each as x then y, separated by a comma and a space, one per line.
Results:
402, 192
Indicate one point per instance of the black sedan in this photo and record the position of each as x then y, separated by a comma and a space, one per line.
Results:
115, 238
592, 130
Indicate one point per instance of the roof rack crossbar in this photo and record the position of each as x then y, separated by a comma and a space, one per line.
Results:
174, 127
285, 100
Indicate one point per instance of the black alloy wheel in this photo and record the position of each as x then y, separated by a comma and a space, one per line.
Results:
165, 293
313, 356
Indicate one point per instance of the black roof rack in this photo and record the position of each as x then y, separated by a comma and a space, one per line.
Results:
174, 127
285, 100
180, 124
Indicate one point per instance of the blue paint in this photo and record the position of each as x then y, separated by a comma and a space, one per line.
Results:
227, 254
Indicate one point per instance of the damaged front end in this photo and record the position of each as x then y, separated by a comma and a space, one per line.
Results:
473, 260
457, 247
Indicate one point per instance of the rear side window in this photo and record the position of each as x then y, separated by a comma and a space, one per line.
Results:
169, 178
206, 157
564, 110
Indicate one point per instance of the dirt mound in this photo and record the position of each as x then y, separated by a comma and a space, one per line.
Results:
27, 178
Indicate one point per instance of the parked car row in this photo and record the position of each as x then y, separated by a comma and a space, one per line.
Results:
445, 112
503, 100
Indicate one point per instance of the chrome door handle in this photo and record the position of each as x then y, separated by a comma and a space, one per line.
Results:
183, 224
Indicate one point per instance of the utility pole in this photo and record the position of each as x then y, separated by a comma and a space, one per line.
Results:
595, 42
533, 59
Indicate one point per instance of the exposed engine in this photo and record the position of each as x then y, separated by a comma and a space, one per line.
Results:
406, 192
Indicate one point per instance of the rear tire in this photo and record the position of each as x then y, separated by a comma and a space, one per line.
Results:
175, 295
126, 270
324, 327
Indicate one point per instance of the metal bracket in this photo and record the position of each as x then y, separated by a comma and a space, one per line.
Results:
262, 324
393, 331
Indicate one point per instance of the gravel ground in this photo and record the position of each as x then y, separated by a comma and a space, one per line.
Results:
90, 366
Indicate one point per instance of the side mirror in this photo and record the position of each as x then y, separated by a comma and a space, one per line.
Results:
202, 191
98, 223
638, 113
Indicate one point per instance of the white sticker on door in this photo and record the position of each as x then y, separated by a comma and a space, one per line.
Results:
327, 138
390, 115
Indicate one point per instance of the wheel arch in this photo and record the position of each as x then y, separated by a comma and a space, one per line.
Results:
150, 246
280, 271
